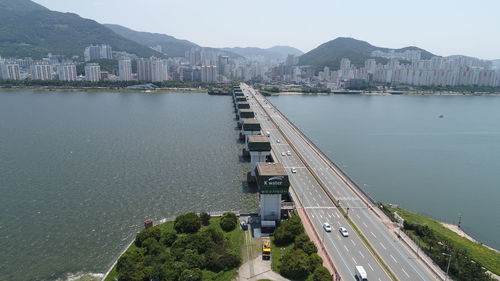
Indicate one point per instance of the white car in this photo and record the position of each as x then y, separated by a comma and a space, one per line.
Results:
294, 170
327, 227
283, 153
344, 232
288, 153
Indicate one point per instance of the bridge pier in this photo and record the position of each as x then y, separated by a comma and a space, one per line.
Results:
272, 181
258, 148
244, 114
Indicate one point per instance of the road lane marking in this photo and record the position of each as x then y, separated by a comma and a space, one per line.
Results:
405, 272
355, 262
393, 258
373, 234
365, 224
382, 245
369, 265
346, 248
352, 241
361, 254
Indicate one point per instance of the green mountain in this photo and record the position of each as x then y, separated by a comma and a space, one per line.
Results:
273, 53
330, 53
170, 45
29, 29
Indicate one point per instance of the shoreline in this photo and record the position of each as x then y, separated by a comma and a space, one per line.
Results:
462, 233
104, 89
414, 93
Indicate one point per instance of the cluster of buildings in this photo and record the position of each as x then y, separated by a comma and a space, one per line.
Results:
198, 65
405, 68
215, 66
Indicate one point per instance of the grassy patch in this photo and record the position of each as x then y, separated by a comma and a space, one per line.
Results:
488, 258
276, 254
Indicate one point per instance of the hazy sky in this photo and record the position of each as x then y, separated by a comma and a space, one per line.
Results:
444, 27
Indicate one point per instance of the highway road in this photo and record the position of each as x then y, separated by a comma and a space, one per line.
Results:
346, 252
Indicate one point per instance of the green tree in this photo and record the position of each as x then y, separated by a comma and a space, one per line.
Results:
168, 238
191, 275
205, 218
130, 266
315, 261
321, 274
193, 259
295, 264
228, 221
303, 242
153, 232
187, 223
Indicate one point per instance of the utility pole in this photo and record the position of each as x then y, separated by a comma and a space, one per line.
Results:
448, 267
459, 219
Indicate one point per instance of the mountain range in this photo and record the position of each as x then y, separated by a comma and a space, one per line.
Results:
330, 53
30, 30
272, 54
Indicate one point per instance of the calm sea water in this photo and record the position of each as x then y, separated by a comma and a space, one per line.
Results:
399, 151
80, 172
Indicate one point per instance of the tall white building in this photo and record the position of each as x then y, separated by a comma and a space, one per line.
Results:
144, 70
41, 71
152, 70
125, 69
159, 71
92, 72
66, 72
95, 52
9, 71
209, 73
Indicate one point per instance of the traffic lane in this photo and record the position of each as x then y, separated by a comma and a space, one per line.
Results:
350, 249
391, 259
401, 262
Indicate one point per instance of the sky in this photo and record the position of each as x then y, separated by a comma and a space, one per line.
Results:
443, 27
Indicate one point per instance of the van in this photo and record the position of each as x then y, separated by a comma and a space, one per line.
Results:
361, 273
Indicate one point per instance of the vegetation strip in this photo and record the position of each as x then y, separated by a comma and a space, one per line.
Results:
467, 257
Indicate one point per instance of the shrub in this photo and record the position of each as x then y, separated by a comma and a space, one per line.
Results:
205, 218
168, 238
187, 223
295, 264
282, 236
315, 261
228, 221
153, 232
303, 242
321, 274
193, 259
191, 275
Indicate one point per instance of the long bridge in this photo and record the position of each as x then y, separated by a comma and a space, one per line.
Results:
326, 195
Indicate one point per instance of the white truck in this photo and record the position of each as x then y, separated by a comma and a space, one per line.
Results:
361, 273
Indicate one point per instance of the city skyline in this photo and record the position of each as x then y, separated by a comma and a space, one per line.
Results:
444, 27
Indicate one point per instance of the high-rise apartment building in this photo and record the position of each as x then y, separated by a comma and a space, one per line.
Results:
41, 71
209, 73
9, 71
95, 52
152, 70
92, 72
66, 72
125, 69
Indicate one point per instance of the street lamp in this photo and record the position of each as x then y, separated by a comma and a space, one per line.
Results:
448, 267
